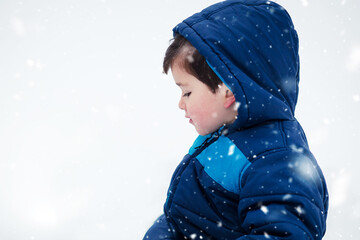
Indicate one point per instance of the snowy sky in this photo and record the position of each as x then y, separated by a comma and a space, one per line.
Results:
90, 132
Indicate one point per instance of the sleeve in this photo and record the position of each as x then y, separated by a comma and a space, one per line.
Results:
160, 230
283, 196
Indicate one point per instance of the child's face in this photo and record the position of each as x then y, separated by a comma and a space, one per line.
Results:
206, 110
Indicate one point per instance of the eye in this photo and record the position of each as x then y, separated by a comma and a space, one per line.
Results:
187, 94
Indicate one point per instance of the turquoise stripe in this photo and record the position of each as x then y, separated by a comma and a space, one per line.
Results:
224, 163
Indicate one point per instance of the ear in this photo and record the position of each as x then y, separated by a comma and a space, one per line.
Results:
229, 99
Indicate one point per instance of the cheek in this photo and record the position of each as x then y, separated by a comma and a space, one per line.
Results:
202, 108
200, 113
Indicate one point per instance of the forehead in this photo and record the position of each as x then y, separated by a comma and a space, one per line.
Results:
180, 74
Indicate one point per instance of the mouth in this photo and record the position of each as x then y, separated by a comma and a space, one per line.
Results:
190, 120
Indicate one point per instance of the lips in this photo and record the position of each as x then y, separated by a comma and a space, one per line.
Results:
190, 120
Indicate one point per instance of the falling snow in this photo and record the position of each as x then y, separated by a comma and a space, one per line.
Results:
193, 236
82, 124
299, 210
264, 209
231, 150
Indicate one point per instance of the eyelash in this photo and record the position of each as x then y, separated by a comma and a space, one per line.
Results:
187, 94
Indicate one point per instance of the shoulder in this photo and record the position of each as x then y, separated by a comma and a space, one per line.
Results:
231, 158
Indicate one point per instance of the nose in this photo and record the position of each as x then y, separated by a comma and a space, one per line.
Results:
181, 104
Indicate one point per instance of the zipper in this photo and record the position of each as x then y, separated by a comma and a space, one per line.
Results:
185, 162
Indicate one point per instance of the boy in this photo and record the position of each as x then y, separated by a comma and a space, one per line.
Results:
250, 173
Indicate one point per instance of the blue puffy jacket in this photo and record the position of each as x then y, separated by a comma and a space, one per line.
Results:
256, 178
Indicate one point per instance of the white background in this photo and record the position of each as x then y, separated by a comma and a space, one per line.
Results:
90, 132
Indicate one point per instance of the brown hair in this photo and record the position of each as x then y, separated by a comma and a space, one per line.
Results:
192, 61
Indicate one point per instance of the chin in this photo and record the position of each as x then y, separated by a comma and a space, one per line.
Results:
203, 132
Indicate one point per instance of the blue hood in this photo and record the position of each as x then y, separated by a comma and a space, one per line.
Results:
253, 47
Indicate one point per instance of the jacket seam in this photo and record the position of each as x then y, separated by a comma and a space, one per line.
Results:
295, 194
268, 152
304, 230
206, 218
191, 223
282, 133
252, 160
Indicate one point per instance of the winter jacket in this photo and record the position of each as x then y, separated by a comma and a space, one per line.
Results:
255, 178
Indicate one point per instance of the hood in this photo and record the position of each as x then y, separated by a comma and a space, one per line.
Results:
253, 47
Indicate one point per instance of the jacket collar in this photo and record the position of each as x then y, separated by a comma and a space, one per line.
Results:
202, 141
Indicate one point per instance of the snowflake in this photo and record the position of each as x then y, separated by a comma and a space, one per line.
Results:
264, 209
299, 210
231, 150
193, 236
